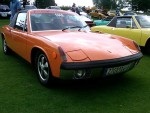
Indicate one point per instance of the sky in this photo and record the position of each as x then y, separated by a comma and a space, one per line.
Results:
77, 2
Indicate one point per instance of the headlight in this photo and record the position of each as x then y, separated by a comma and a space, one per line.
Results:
81, 74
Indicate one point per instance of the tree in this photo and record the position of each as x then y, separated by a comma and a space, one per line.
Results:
7, 2
141, 4
106, 4
44, 3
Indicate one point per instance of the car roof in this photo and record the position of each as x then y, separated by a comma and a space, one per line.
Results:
112, 22
1, 5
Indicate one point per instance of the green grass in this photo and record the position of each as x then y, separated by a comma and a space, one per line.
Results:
21, 92
4, 21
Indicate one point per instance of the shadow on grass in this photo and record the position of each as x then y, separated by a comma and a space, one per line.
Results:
95, 85
111, 82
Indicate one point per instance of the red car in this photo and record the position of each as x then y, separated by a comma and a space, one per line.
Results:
60, 45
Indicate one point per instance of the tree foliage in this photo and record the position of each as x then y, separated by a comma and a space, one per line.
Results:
7, 2
143, 5
106, 4
44, 3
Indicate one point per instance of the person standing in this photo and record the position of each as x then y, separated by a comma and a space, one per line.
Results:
73, 8
15, 6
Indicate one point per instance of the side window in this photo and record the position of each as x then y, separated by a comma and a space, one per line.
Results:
121, 22
125, 23
133, 25
21, 21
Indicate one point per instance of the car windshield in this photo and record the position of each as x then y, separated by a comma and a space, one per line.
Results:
144, 21
60, 21
4, 7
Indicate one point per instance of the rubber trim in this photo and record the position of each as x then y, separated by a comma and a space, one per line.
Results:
102, 63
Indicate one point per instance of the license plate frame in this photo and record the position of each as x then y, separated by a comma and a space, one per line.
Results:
3, 14
118, 69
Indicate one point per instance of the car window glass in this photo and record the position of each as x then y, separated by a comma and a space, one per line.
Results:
72, 20
133, 25
21, 21
144, 21
125, 23
49, 21
4, 7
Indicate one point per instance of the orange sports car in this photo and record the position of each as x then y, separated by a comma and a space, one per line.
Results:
60, 45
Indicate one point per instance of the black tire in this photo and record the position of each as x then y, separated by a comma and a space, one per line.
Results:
5, 48
147, 47
43, 69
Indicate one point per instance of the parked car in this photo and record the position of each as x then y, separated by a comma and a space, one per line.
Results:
27, 7
112, 12
4, 11
104, 21
129, 13
89, 21
97, 14
126, 9
58, 43
83, 13
136, 28
53, 7
86, 19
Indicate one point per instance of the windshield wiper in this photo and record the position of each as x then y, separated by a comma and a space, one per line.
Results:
82, 27
71, 27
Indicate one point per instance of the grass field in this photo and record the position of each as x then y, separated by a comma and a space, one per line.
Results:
21, 92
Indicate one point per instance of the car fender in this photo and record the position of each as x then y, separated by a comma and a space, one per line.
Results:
145, 37
52, 55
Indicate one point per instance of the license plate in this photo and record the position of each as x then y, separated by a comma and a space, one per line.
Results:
4, 14
119, 69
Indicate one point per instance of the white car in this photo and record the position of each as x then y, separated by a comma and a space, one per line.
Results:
4, 11
89, 21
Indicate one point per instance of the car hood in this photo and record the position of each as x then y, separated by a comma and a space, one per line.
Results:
83, 45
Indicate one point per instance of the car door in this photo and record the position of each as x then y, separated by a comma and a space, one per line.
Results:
19, 35
126, 27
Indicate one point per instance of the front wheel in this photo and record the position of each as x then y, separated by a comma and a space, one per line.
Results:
147, 47
6, 49
43, 69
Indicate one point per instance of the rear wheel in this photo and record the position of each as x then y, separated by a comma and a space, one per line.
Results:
43, 69
6, 49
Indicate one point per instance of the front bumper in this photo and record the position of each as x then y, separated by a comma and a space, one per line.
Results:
99, 68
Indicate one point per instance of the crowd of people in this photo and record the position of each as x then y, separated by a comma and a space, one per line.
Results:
88, 10
76, 9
